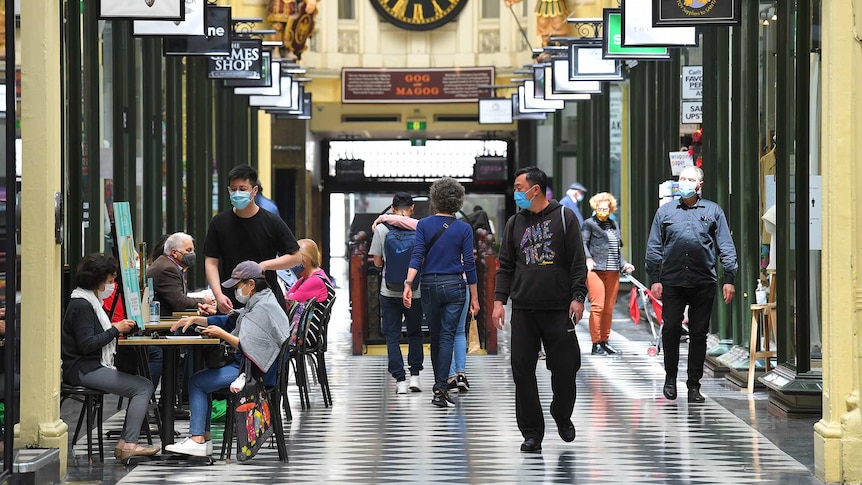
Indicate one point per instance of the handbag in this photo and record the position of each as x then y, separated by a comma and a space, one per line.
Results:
218, 356
252, 417
473, 344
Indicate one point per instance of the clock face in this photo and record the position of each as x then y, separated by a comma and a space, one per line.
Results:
419, 14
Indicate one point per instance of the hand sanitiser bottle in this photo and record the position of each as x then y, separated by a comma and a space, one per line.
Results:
760, 293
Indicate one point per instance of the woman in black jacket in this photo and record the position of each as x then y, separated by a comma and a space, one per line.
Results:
602, 243
89, 344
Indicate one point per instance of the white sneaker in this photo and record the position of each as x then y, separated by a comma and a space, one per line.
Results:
414, 384
190, 447
401, 387
209, 444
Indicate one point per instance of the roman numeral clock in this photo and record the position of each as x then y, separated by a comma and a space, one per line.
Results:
419, 14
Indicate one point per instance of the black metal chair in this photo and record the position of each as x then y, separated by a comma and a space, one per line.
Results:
92, 401
275, 396
298, 353
317, 352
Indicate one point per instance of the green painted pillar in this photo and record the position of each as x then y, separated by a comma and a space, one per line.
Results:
124, 115
802, 173
199, 142
77, 168
239, 106
174, 162
638, 214
252, 134
94, 235
225, 137
602, 140
151, 113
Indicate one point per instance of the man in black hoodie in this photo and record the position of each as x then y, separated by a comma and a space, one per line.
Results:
543, 269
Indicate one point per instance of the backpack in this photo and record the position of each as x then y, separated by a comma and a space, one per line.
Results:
397, 250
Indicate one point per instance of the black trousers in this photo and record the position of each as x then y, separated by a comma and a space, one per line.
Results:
699, 300
530, 328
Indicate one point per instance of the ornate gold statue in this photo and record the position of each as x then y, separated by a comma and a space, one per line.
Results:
293, 22
550, 18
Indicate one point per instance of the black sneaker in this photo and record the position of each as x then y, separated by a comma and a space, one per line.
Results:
598, 349
608, 349
463, 383
452, 385
442, 400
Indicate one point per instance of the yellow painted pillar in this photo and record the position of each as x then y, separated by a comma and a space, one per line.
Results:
264, 152
41, 132
838, 435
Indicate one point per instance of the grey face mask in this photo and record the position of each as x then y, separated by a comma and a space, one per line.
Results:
188, 259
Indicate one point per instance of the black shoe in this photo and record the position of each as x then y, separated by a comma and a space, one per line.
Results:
608, 349
463, 383
452, 385
669, 389
567, 432
695, 396
598, 349
442, 400
531, 445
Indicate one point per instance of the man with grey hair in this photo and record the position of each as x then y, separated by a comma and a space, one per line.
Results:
168, 274
681, 263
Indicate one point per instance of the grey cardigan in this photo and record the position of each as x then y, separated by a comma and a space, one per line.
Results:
596, 243
262, 327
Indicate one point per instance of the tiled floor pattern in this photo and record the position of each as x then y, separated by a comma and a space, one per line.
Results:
627, 432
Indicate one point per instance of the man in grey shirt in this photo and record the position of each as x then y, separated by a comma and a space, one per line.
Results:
680, 261
392, 310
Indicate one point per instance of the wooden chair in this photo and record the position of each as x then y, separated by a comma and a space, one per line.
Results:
761, 314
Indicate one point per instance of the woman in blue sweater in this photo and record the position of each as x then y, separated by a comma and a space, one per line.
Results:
443, 254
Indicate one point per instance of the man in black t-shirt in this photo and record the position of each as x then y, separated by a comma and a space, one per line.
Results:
246, 232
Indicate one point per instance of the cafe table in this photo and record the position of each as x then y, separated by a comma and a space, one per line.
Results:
171, 345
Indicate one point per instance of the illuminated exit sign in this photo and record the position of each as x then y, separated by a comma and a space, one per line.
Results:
417, 125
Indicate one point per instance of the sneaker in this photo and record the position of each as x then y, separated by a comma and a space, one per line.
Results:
463, 383
209, 444
598, 349
401, 387
608, 349
452, 385
442, 400
414, 384
188, 447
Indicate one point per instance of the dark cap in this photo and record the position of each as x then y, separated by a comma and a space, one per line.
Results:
402, 199
244, 271
578, 186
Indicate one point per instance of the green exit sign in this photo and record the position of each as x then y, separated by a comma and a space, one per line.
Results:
417, 142
416, 125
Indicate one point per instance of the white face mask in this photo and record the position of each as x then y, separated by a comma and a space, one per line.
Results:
240, 297
108, 291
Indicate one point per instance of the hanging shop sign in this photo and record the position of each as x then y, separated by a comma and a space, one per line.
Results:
302, 114
586, 63
141, 9
550, 83
287, 100
693, 13
494, 111
216, 42
491, 169
274, 88
262, 81
638, 30
443, 85
691, 78
692, 112
561, 84
517, 114
532, 102
243, 62
194, 23
612, 41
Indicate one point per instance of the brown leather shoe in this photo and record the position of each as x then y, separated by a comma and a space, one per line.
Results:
121, 454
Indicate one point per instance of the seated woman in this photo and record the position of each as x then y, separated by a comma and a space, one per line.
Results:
261, 329
312, 283
89, 343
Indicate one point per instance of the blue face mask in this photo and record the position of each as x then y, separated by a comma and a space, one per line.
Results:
298, 269
522, 201
240, 199
687, 188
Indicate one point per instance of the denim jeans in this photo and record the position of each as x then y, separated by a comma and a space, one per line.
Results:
154, 354
392, 312
442, 303
201, 387
459, 359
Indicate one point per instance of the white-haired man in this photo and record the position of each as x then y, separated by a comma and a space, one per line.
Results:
168, 272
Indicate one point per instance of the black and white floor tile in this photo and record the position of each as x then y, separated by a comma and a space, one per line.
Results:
627, 433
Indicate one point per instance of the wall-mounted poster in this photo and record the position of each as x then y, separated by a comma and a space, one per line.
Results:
692, 13
194, 23
126, 249
141, 9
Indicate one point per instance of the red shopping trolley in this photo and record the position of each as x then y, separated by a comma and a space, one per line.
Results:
641, 295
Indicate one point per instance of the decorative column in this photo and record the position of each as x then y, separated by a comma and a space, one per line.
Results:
838, 435
40, 425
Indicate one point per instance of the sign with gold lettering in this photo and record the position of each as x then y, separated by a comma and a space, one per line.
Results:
431, 85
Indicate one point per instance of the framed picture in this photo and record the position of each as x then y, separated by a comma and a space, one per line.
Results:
612, 44
586, 63
638, 30
194, 23
692, 13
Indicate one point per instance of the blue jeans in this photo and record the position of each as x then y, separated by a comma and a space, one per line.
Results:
392, 311
154, 354
442, 302
201, 387
459, 359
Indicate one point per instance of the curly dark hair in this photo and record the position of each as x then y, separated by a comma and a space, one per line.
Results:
94, 270
447, 195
